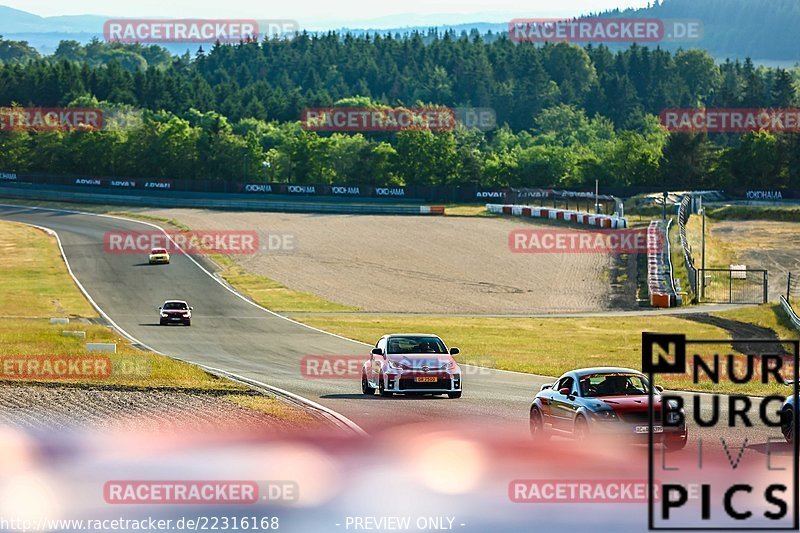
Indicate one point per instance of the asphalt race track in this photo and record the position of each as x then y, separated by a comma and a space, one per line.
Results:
231, 334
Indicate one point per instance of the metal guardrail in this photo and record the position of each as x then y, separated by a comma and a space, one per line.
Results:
683, 217
793, 318
237, 204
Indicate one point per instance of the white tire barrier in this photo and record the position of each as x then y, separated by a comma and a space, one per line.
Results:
567, 215
659, 266
76, 334
59, 320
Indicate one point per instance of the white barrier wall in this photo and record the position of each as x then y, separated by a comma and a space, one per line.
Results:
659, 266
567, 215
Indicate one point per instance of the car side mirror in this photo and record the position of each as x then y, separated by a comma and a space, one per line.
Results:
546, 386
191, 308
159, 308
377, 351
565, 391
659, 388
454, 351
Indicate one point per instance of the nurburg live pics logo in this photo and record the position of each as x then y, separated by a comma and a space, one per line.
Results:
729, 494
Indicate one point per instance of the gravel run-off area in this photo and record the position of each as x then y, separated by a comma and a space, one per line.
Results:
422, 264
36, 407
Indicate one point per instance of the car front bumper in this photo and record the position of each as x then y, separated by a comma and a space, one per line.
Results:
637, 430
423, 383
175, 320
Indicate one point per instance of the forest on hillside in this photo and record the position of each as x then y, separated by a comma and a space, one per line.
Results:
567, 114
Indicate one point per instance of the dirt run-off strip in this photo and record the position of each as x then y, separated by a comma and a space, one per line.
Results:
50, 407
744, 332
392, 264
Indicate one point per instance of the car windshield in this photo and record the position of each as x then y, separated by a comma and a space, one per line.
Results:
158, 251
175, 305
598, 385
401, 345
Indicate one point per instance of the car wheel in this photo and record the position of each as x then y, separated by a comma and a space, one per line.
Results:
162, 323
787, 428
537, 424
581, 429
454, 395
675, 443
188, 322
365, 388
385, 393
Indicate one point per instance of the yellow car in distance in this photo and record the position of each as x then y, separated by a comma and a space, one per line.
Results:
158, 256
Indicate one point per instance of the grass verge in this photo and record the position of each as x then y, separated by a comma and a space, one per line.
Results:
37, 286
35, 280
274, 408
547, 346
741, 212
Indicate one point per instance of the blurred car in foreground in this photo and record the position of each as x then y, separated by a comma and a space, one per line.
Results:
175, 312
159, 256
411, 363
601, 401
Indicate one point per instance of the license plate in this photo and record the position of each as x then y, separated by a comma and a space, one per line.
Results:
175, 318
426, 380
646, 429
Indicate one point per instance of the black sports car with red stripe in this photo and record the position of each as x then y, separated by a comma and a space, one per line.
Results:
604, 401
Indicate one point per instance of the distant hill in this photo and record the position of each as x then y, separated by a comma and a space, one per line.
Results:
764, 30
13, 21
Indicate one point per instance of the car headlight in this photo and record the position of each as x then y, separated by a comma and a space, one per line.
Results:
164, 315
606, 414
449, 365
185, 315
395, 366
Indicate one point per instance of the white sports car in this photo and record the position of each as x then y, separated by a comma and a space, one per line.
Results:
411, 364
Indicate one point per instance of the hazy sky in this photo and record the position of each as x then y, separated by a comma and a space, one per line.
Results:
317, 10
